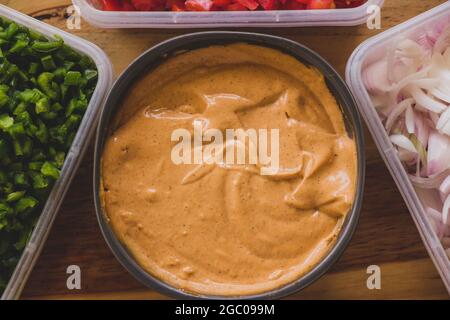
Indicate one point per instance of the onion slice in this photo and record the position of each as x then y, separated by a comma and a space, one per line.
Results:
431, 182
444, 188
403, 142
445, 211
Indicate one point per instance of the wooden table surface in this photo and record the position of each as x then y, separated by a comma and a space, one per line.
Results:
386, 235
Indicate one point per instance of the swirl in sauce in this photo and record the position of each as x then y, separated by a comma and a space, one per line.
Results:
229, 231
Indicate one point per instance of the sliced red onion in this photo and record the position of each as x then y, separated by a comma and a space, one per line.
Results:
434, 118
403, 142
443, 124
409, 120
430, 183
404, 60
434, 214
426, 42
427, 83
444, 188
443, 42
438, 153
422, 130
422, 152
424, 100
400, 85
437, 93
445, 211
408, 157
447, 231
411, 91
396, 112
446, 242
436, 223
375, 78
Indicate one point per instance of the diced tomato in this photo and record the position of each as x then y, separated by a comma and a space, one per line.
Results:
320, 4
175, 5
249, 4
348, 3
198, 5
216, 8
294, 5
227, 5
221, 3
236, 7
127, 6
268, 4
142, 5
148, 5
111, 5
178, 8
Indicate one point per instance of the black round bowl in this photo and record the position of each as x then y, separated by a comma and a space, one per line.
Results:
156, 56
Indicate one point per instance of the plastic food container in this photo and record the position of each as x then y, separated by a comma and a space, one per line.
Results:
276, 18
365, 54
74, 155
156, 56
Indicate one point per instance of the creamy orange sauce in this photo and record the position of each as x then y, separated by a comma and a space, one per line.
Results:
229, 230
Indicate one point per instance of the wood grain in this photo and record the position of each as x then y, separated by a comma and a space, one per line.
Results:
386, 235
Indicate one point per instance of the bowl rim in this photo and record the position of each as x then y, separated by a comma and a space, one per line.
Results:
155, 56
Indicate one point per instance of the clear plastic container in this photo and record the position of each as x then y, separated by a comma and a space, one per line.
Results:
74, 155
365, 54
277, 18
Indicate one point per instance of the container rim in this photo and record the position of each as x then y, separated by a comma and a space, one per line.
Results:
156, 55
